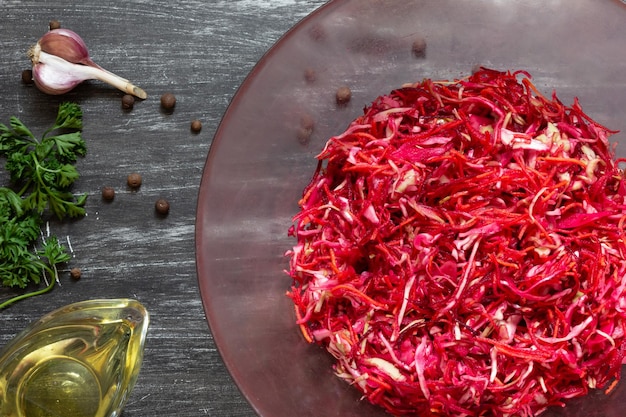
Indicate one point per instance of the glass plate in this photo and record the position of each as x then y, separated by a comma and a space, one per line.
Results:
261, 158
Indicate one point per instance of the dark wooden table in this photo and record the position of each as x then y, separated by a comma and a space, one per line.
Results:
201, 51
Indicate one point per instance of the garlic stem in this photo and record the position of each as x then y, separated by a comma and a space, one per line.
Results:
114, 80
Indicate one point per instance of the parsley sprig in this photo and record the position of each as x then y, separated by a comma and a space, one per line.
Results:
42, 172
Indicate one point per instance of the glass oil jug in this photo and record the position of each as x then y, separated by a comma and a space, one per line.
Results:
79, 361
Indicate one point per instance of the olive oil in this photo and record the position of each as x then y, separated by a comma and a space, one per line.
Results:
79, 361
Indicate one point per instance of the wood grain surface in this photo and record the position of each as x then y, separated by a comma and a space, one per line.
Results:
201, 51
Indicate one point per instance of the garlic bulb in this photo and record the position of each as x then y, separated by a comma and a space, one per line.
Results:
61, 61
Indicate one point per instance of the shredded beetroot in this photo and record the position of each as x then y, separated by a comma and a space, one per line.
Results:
461, 250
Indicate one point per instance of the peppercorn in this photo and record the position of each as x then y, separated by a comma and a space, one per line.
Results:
108, 193
304, 135
307, 121
419, 48
75, 273
168, 101
305, 130
162, 206
134, 180
27, 76
196, 126
343, 95
310, 75
54, 24
128, 101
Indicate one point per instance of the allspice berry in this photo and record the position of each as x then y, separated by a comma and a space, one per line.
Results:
128, 102
134, 180
310, 75
343, 95
27, 76
75, 273
196, 126
108, 193
168, 101
305, 130
162, 206
304, 135
307, 122
419, 48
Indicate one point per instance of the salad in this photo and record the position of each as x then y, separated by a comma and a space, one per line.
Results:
460, 250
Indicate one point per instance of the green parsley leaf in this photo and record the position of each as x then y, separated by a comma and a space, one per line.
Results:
43, 169
19, 128
69, 116
42, 173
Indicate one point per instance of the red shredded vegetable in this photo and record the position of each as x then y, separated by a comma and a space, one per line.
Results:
461, 250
